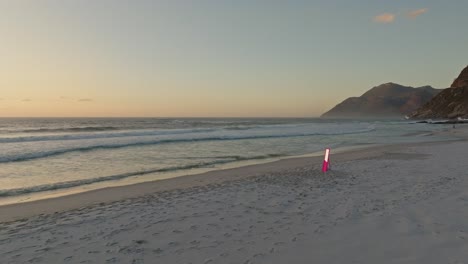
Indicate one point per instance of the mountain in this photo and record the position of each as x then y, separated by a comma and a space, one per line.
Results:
450, 103
389, 100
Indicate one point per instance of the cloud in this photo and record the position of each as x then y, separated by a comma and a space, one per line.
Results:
415, 13
85, 100
385, 18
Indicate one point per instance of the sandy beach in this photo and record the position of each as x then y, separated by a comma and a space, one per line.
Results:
386, 204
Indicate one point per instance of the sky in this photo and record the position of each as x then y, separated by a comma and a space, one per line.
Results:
214, 58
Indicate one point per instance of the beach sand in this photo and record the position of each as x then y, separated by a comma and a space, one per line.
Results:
387, 204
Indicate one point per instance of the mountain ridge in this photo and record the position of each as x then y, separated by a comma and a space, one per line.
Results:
388, 100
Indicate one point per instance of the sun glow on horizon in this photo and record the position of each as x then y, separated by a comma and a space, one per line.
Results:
206, 59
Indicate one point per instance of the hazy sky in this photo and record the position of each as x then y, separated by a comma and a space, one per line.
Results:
219, 58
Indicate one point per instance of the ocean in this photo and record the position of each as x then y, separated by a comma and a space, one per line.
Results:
42, 157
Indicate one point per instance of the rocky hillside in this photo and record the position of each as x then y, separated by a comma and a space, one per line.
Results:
388, 100
450, 103
462, 79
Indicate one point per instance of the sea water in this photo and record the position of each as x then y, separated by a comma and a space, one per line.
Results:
55, 154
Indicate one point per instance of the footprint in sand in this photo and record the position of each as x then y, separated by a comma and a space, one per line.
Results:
195, 242
110, 244
173, 244
111, 260
158, 251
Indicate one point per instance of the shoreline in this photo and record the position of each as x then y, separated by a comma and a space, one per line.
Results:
90, 181
159, 176
109, 194
398, 203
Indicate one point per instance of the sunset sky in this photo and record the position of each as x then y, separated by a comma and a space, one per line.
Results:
219, 58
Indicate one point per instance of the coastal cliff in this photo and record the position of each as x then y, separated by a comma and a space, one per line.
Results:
451, 103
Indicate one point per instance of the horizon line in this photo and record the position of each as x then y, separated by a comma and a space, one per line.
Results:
160, 117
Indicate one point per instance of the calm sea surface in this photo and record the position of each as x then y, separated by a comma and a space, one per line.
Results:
43, 155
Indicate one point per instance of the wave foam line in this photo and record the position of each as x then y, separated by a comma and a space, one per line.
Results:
101, 135
77, 183
39, 155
